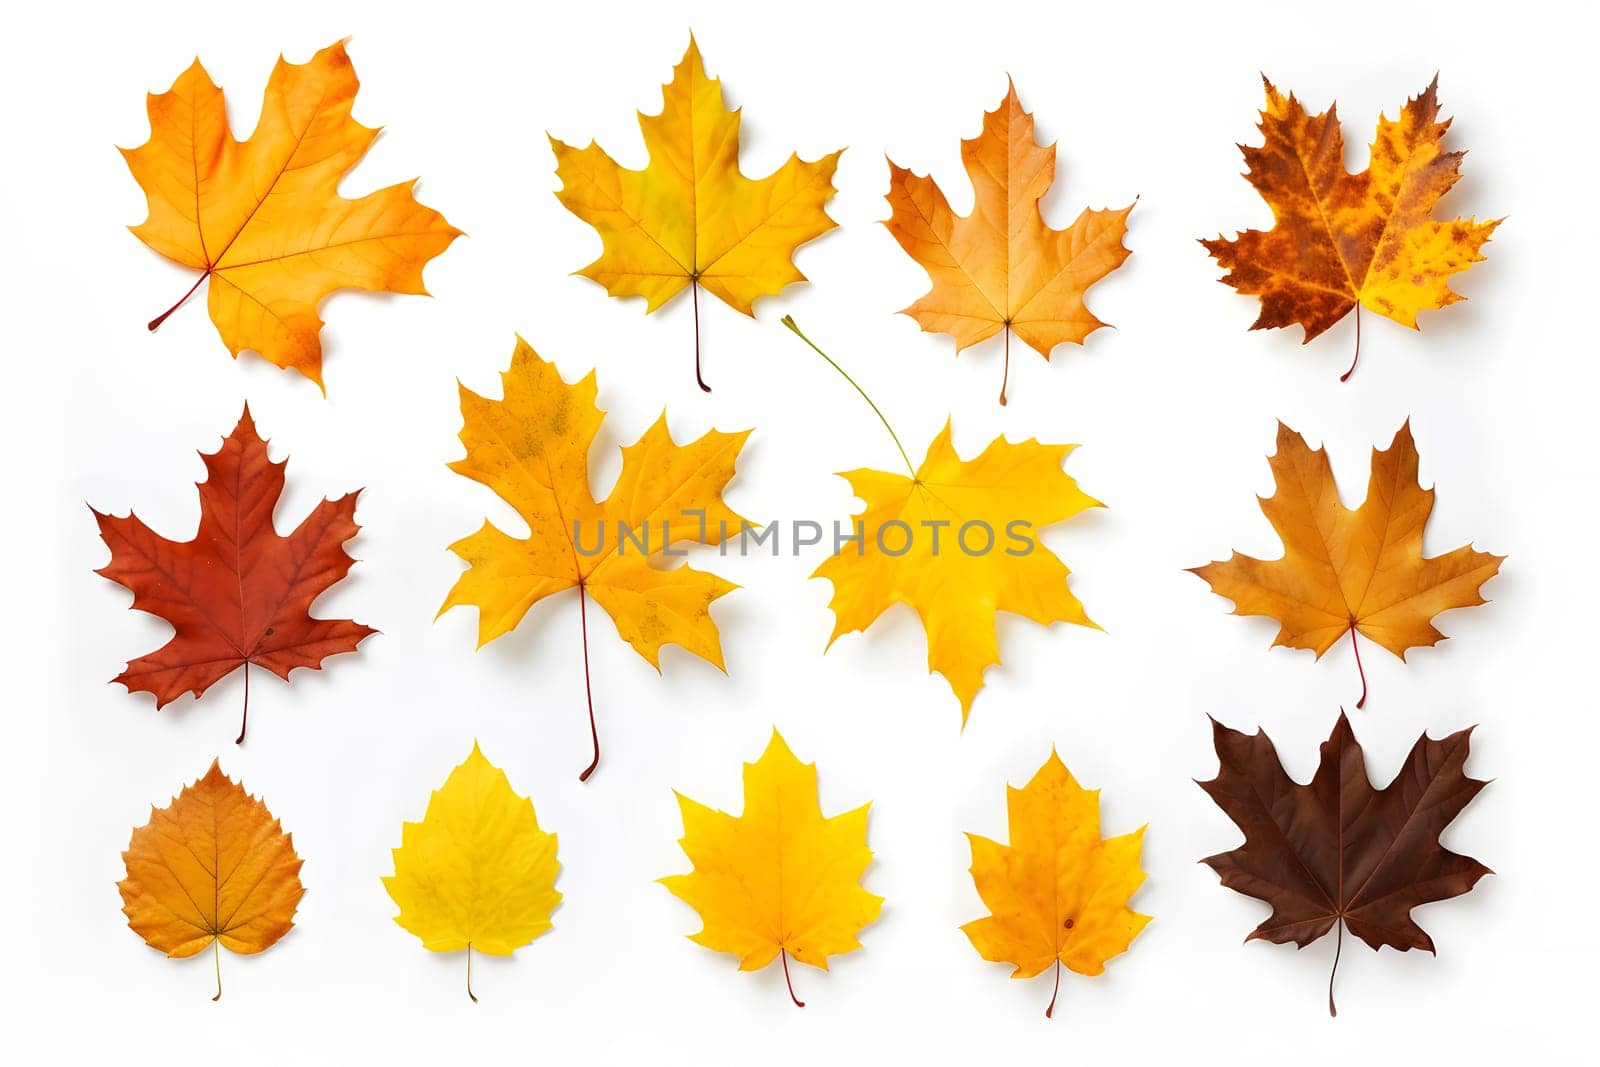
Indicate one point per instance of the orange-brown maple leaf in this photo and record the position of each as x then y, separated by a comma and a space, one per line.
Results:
237, 593
1342, 240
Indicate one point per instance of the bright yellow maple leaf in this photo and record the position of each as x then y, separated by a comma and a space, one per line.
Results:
1058, 894
690, 219
1007, 495
1003, 268
532, 448
214, 869
476, 872
779, 880
263, 218
1342, 240
1348, 572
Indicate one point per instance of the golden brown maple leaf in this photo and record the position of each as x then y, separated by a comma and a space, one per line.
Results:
212, 869
1003, 268
1058, 894
263, 218
690, 219
780, 879
1342, 240
532, 448
1343, 571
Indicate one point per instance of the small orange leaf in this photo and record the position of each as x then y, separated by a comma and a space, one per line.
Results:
213, 869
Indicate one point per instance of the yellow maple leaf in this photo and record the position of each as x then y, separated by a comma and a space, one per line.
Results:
1058, 894
690, 219
779, 880
263, 218
532, 448
1003, 268
955, 590
1348, 572
476, 872
213, 869
1342, 240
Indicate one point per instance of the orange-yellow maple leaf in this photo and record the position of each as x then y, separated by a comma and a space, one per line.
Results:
263, 218
1003, 268
1058, 893
690, 219
1342, 240
532, 448
1349, 571
213, 869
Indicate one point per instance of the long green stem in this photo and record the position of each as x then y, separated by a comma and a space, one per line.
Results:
788, 320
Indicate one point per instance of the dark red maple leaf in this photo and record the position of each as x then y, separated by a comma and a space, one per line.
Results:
1338, 851
238, 593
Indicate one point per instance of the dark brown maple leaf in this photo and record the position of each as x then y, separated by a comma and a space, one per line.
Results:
238, 593
1338, 851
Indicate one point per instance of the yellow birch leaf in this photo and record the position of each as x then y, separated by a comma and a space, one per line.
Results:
476, 872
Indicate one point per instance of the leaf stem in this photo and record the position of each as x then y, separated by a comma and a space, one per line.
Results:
470, 993
1345, 377
156, 322
784, 954
216, 955
1338, 948
588, 687
1050, 1011
788, 320
694, 295
1355, 644
244, 720
1005, 375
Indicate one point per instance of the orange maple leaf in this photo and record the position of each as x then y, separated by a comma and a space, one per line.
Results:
1349, 571
263, 218
1002, 268
1342, 240
237, 593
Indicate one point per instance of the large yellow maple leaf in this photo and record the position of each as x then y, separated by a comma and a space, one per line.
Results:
970, 550
1349, 571
690, 219
778, 880
1058, 894
532, 448
476, 872
263, 218
213, 869
1002, 267
1342, 240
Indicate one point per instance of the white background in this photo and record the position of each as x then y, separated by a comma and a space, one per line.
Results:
1175, 411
